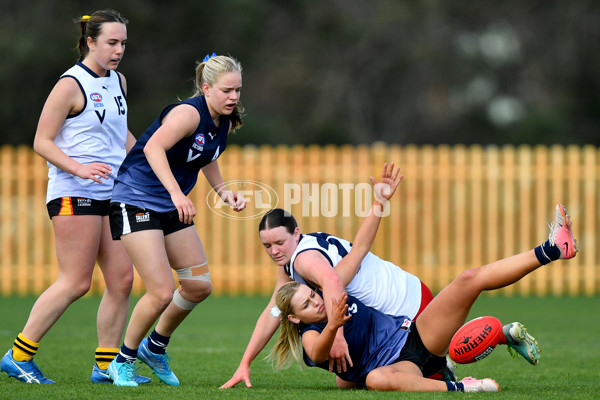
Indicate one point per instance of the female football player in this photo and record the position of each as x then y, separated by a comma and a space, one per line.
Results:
153, 217
82, 133
395, 352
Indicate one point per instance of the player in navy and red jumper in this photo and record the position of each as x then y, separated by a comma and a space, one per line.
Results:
153, 217
316, 259
403, 362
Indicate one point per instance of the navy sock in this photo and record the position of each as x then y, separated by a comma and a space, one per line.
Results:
126, 354
158, 343
455, 386
547, 252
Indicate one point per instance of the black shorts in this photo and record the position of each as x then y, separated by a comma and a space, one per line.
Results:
126, 219
415, 351
77, 206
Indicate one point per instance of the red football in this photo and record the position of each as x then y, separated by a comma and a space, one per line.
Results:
475, 340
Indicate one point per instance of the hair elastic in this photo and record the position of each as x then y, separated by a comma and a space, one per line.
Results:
85, 18
208, 57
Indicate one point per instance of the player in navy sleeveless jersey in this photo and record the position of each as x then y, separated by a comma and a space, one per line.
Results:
83, 135
153, 217
395, 353
316, 259
374, 338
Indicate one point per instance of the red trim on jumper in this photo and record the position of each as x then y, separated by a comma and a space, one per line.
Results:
426, 297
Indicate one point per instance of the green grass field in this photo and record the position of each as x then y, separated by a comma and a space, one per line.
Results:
207, 348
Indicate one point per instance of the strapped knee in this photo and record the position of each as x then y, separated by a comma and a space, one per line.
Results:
181, 302
195, 273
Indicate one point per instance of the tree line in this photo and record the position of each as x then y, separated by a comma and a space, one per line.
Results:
336, 71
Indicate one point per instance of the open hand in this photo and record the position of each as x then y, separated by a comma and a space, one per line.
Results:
390, 179
94, 171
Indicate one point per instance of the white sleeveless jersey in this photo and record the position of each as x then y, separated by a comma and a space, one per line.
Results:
96, 134
378, 283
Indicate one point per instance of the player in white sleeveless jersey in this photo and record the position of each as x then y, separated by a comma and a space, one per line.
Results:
96, 133
310, 259
82, 133
378, 283
395, 353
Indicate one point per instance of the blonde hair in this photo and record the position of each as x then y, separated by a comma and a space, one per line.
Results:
209, 71
288, 347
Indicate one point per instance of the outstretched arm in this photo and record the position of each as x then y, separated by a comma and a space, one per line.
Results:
383, 190
265, 328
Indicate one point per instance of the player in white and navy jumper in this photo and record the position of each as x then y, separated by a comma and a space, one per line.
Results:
315, 259
82, 133
379, 283
97, 133
385, 356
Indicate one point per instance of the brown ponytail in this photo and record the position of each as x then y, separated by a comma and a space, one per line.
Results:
91, 25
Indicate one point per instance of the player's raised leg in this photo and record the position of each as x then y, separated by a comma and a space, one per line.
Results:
449, 309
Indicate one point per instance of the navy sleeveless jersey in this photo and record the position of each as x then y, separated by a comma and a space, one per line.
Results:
138, 185
374, 340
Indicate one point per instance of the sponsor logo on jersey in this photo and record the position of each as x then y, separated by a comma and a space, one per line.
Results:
198, 144
96, 97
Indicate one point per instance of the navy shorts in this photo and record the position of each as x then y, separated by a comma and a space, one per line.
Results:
415, 351
77, 206
125, 219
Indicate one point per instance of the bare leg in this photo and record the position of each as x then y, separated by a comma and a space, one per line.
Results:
448, 311
118, 275
444, 316
184, 249
450, 308
342, 384
147, 251
77, 241
403, 376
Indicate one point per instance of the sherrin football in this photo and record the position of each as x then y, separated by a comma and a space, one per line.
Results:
475, 340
